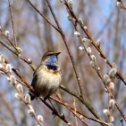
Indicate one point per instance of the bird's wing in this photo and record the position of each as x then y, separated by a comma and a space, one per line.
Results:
35, 77
34, 80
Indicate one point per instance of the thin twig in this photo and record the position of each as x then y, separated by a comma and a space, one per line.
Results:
44, 17
92, 41
78, 114
12, 23
68, 50
18, 55
62, 117
83, 101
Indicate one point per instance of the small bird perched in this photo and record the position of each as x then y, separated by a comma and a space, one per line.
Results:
47, 77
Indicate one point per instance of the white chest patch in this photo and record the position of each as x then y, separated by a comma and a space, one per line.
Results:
47, 82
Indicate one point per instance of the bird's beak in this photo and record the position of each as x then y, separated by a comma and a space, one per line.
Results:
57, 53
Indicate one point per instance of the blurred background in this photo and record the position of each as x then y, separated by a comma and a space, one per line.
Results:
105, 22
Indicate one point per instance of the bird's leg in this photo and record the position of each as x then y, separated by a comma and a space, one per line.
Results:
55, 111
47, 97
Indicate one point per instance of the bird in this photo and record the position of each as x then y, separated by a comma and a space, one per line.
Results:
47, 77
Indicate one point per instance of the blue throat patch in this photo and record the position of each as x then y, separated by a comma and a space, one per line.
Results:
52, 59
52, 63
51, 66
